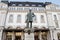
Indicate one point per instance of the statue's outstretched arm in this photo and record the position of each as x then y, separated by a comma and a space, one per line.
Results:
33, 15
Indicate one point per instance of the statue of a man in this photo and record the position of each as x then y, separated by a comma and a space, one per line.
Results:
29, 20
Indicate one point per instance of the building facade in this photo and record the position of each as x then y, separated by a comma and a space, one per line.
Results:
45, 26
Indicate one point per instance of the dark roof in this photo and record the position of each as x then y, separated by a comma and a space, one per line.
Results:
29, 4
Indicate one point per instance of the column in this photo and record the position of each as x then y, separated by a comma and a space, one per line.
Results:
22, 36
55, 35
13, 35
4, 36
1, 33
48, 36
40, 35
51, 34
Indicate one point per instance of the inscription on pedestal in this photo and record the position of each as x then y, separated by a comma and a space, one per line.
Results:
29, 36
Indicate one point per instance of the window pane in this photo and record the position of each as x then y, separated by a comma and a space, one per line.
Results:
18, 18
56, 21
55, 17
42, 19
10, 18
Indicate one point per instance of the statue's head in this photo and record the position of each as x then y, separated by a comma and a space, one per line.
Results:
29, 10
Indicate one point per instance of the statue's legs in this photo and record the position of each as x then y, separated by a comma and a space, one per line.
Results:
27, 24
30, 24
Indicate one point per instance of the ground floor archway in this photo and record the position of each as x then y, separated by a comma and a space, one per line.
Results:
19, 35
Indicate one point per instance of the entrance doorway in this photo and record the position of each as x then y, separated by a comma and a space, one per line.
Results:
40, 35
17, 37
13, 36
36, 38
44, 35
36, 35
8, 36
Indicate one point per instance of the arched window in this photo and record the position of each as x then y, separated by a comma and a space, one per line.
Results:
55, 17
42, 19
18, 18
10, 19
56, 21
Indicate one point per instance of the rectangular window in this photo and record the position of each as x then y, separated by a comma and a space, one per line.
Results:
19, 8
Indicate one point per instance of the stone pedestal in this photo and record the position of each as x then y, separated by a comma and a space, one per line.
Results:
29, 36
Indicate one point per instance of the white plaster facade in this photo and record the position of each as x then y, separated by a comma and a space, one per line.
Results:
48, 12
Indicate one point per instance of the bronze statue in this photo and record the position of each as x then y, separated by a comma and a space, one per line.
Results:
29, 20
